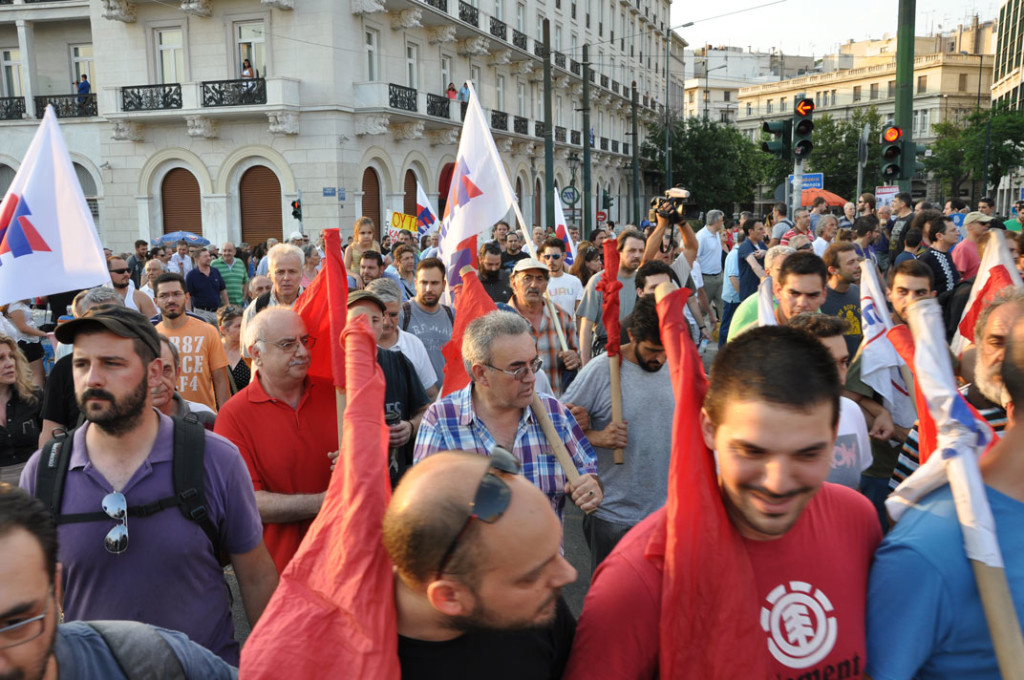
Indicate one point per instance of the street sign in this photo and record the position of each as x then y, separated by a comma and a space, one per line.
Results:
601, 216
329, 192
805, 106
1021, 194
811, 180
570, 195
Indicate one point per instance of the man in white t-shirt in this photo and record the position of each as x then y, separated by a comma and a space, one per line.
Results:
181, 261
397, 340
564, 289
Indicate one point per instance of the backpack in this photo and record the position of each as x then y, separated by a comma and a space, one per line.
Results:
139, 650
189, 496
261, 303
407, 314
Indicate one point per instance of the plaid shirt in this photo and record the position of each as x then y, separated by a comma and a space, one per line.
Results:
450, 424
547, 342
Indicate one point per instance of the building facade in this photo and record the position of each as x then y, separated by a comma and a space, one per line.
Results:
213, 115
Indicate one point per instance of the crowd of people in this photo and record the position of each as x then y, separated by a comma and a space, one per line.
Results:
179, 432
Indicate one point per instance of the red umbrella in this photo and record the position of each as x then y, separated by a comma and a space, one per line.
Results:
807, 197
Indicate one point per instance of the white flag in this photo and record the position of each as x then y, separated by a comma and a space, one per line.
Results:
996, 272
880, 362
426, 216
766, 304
48, 242
562, 232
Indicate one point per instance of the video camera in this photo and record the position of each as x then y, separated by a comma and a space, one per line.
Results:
674, 206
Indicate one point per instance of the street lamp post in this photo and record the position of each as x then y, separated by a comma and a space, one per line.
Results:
668, 98
707, 87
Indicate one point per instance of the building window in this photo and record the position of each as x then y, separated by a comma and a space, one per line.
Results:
446, 72
412, 62
962, 84
170, 55
558, 38
783, 104
833, 103
499, 92
873, 91
891, 89
521, 99
250, 43
690, 97
558, 110
474, 73
499, 10
726, 96
768, 106
11, 60
540, 28
521, 18
922, 84
926, 127
749, 109
81, 62
372, 55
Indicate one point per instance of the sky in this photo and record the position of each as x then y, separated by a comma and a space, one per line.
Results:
815, 27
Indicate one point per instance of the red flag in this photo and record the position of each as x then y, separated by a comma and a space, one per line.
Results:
471, 303
609, 285
324, 307
998, 278
334, 607
709, 603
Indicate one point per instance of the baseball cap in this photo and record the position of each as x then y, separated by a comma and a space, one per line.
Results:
295, 236
529, 263
365, 295
977, 216
116, 319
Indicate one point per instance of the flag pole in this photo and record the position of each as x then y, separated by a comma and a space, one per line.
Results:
610, 285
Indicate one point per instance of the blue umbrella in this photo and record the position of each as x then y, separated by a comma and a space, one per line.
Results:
175, 236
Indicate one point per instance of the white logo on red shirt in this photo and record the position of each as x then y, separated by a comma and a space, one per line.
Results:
801, 628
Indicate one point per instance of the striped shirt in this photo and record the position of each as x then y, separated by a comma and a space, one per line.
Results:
451, 424
236, 279
548, 345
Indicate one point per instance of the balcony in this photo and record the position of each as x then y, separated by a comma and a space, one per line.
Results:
615, 86
615, 145
438, 106
67, 105
593, 76
12, 108
520, 125
539, 49
604, 81
401, 97
574, 67
499, 29
575, 136
151, 97
499, 120
438, 4
604, 144
519, 39
560, 134
469, 14
625, 148
559, 60
244, 92
538, 128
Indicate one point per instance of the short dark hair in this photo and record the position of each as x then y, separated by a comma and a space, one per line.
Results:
432, 263
552, 242
399, 251
653, 268
800, 375
628, 234
643, 322
914, 238
803, 263
957, 204
820, 325
168, 277
749, 224
489, 248
831, 255
905, 197
21, 510
865, 224
372, 255
141, 242
781, 208
937, 225
916, 269
818, 200
922, 218
988, 200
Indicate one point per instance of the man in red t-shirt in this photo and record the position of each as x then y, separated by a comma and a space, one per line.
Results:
284, 423
773, 426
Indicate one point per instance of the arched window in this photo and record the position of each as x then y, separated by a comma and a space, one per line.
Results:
371, 199
179, 195
259, 193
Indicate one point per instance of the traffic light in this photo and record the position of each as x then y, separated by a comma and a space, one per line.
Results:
297, 209
892, 151
910, 163
782, 131
803, 126
606, 200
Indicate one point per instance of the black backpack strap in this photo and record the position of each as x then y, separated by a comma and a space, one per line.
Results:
406, 314
262, 302
450, 313
189, 450
54, 460
140, 651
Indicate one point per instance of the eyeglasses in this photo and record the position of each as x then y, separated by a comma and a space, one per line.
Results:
116, 507
520, 372
491, 499
289, 345
552, 256
122, 270
27, 630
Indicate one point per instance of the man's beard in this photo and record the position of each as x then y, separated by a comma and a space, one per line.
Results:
39, 672
120, 416
173, 314
490, 275
120, 286
481, 619
989, 388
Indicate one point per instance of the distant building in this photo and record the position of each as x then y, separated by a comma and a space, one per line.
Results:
1008, 89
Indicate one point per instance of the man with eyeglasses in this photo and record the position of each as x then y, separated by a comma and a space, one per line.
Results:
34, 645
482, 597
495, 410
564, 289
529, 285
286, 426
121, 281
160, 568
204, 364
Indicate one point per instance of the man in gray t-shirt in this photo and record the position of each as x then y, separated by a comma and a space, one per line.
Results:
639, 486
425, 316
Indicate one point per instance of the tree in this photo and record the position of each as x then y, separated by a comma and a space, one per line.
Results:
947, 161
835, 151
1001, 132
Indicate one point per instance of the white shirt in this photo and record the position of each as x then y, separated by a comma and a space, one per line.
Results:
148, 291
565, 291
709, 252
413, 350
179, 265
819, 246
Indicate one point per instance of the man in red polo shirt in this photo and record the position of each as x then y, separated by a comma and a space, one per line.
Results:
285, 425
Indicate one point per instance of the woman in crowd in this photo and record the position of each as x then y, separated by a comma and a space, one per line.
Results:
20, 402
311, 264
29, 338
364, 241
588, 262
229, 321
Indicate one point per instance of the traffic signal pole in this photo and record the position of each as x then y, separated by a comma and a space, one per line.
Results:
904, 86
588, 205
549, 130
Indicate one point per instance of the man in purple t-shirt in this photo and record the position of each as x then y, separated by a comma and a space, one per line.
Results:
159, 569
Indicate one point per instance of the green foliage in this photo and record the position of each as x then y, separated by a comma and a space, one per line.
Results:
958, 151
948, 158
835, 151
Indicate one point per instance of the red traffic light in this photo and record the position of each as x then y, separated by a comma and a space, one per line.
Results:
805, 107
295, 205
891, 134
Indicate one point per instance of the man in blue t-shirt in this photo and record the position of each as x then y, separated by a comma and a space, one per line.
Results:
751, 257
205, 285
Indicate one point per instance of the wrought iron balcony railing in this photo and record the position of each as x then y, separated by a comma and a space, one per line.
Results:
520, 125
575, 136
574, 67
519, 39
559, 134
559, 60
438, 4
604, 144
151, 97
12, 108
437, 106
67, 105
401, 97
538, 128
615, 145
499, 120
499, 29
469, 14
243, 92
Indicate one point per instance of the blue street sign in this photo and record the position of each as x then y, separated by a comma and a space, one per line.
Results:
811, 180
341, 193
1021, 194
328, 192
570, 195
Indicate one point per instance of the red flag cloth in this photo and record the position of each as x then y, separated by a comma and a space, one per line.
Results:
334, 607
324, 307
471, 303
998, 278
709, 603
609, 285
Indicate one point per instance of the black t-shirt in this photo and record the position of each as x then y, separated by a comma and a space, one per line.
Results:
494, 655
508, 261
498, 287
403, 393
59, 404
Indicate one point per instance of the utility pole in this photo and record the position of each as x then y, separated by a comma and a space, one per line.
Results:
862, 157
549, 129
668, 119
636, 161
588, 205
905, 84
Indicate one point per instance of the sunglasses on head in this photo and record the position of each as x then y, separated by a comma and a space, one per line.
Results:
491, 499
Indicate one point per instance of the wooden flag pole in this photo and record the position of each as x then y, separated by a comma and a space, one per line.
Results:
1002, 620
554, 322
615, 375
554, 441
